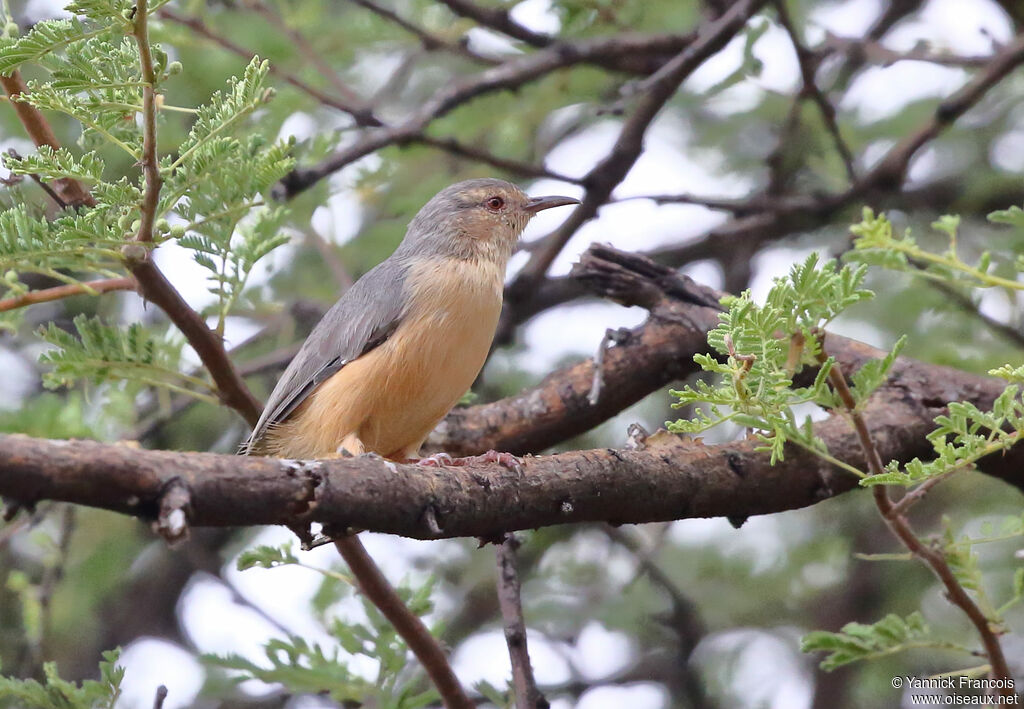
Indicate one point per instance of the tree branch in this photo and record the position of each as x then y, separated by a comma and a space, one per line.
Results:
508, 75
47, 295
362, 115
901, 529
609, 172
410, 628
38, 128
667, 478
526, 693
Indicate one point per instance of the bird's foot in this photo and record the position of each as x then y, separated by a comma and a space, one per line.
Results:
492, 456
436, 460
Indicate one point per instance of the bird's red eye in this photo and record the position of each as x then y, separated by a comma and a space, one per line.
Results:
495, 203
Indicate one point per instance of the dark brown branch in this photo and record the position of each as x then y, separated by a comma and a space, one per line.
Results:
526, 692
48, 295
362, 115
429, 40
610, 171
893, 167
683, 619
809, 63
304, 48
498, 20
668, 478
509, 75
901, 529
70, 190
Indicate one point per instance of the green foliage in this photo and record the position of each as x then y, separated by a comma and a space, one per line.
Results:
304, 667
106, 353
857, 641
761, 347
55, 693
45, 38
95, 77
876, 244
962, 437
266, 557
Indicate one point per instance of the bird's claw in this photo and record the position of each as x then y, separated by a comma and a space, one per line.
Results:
437, 460
506, 460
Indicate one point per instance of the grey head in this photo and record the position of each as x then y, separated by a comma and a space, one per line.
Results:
481, 218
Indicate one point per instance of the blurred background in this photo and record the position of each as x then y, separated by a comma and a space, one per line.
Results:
745, 171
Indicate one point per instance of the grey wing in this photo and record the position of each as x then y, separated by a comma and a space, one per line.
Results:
363, 318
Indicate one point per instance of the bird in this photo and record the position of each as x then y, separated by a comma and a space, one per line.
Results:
406, 341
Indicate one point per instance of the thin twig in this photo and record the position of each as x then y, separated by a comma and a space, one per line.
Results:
656, 90
47, 295
361, 114
305, 48
424, 645
511, 74
150, 167
808, 69
429, 40
152, 283
161, 695
55, 572
901, 528
499, 20
528, 696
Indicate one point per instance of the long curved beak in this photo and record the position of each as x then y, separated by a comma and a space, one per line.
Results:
536, 204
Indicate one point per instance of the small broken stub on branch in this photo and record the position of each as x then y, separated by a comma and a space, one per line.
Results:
172, 522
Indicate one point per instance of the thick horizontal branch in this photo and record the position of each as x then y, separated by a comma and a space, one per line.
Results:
666, 478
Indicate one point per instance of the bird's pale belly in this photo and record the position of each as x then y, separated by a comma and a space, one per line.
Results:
388, 400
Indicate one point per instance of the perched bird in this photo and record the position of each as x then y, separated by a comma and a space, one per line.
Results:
406, 341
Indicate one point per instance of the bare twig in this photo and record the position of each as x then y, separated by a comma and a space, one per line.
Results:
161, 695
429, 40
528, 696
54, 571
303, 46
424, 645
361, 115
47, 295
891, 170
684, 618
610, 171
808, 69
511, 74
498, 20
900, 527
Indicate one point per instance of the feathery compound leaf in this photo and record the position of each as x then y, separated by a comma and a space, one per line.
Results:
857, 641
56, 693
101, 10
226, 108
764, 346
86, 242
44, 38
52, 164
105, 353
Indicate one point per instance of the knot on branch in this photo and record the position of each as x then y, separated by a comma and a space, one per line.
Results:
175, 506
